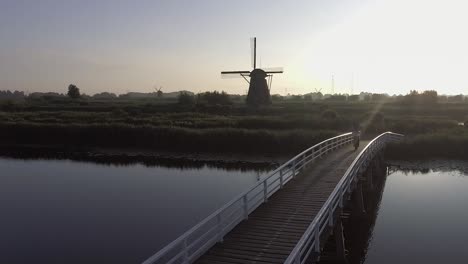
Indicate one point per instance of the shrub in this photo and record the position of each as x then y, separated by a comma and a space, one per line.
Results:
329, 114
73, 91
185, 99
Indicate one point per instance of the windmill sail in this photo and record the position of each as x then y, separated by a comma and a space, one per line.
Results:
273, 70
253, 52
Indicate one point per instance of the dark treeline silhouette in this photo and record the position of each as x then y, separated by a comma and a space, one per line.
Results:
222, 98
8, 95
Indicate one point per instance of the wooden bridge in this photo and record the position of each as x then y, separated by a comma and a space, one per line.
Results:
285, 217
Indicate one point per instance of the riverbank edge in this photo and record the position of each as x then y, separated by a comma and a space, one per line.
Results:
133, 156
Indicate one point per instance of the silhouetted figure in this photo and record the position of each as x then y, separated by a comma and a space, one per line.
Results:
356, 136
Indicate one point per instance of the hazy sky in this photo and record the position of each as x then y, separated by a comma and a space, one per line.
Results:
112, 45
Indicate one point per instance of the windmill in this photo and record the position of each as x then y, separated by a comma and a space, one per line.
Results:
259, 89
318, 94
158, 91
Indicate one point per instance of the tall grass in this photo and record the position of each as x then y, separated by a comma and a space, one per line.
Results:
223, 140
443, 144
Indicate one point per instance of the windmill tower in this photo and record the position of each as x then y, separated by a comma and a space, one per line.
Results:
259, 88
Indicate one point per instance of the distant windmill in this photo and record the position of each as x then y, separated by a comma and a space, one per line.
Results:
259, 89
159, 93
318, 90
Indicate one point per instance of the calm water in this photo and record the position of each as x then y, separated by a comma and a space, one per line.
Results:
422, 218
56, 211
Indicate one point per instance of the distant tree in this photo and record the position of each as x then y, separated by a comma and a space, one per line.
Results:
8, 95
426, 97
353, 98
277, 97
308, 97
104, 95
455, 99
296, 97
186, 99
73, 91
337, 98
329, 114
429, 97
214, 98
378, 97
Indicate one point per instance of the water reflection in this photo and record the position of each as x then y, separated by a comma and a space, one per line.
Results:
417, 214
459, 167
179, 162
62, 211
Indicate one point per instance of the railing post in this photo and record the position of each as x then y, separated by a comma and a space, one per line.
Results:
330, 217
246, 207
265, 191
220, 228
297, 260
281, 179
294, 168
317, 239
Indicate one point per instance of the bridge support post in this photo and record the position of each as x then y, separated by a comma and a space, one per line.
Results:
359, 199
370, 177
340, 241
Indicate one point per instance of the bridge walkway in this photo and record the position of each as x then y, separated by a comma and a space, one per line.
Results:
275, 227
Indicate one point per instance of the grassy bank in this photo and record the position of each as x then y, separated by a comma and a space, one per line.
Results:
451, 144
284, 128
124, 136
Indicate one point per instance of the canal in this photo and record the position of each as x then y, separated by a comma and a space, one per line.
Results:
422, 216
62, 211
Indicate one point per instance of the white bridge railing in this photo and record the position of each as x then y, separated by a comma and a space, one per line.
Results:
310, 241
196, 241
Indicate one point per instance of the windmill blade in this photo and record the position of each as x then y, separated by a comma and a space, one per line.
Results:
270, 81
253, 52
230, 76
234, 74
273, 70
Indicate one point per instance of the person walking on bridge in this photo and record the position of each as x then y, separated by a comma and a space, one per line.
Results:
356, 136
